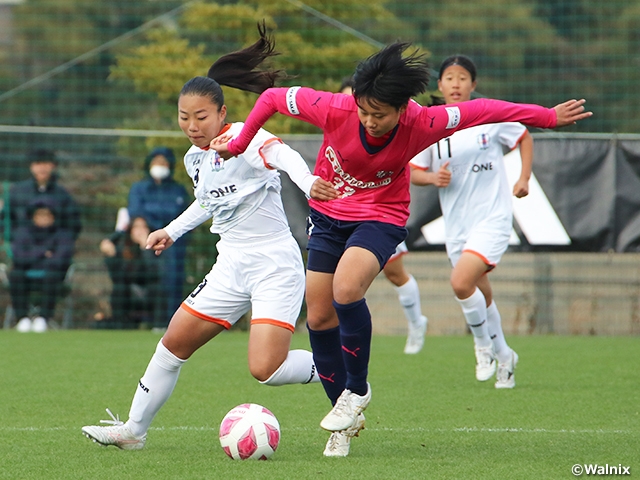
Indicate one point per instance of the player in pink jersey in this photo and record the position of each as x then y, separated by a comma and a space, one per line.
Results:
368, 140
404, 283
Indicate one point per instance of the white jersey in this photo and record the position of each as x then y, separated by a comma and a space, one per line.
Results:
242, 194
479, 194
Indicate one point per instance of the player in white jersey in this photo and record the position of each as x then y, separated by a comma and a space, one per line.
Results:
259, 265
475, 198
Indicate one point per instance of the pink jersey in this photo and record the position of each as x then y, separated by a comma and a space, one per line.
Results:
373, 182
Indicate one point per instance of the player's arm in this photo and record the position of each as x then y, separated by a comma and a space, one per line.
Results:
281, 156
303, 103
440, 178
521, 188
162, 239
422, 174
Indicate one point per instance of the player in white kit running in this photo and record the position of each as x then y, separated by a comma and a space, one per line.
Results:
475, 198
259, 265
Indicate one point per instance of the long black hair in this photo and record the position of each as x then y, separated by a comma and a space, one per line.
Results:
388, 77
238, 70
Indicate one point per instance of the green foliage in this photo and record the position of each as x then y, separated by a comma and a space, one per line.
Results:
429, 417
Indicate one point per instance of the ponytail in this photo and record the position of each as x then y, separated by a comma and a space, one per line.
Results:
238, 69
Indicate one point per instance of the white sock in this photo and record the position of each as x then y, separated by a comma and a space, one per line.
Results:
154, 388
494, 326
298, 367
409, 296
474, 309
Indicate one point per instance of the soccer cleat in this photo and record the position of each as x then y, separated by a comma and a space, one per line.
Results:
344, 413
506, 372
24, 325
485, 363
39, 325
118, 434
339, 442
415, 339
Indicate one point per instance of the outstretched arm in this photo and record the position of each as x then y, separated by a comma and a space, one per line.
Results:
276, 154
302, 103
570, 112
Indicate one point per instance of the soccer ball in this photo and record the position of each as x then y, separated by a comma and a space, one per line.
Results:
249, 431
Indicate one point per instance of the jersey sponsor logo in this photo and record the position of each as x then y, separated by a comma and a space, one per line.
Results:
475, 168
344, 182
483, 141
292, 105
384, 173
454, 117
534, 214
222, 191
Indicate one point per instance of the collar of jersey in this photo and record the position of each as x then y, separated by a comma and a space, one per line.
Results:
371, 149
226, 127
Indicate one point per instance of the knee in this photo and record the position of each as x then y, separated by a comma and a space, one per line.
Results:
462, 288
262, 372
322, 320
347, 293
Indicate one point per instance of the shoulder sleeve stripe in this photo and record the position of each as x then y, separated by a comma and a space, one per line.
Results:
292, 105
265, 145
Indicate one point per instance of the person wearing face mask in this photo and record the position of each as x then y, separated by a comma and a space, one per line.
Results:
159, 199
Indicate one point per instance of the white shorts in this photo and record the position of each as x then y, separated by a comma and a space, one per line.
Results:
488, 244
266, 277
401, 249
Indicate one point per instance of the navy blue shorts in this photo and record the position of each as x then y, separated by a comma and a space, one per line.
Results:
329, 238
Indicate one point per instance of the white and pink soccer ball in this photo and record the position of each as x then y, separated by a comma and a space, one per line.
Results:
249, 431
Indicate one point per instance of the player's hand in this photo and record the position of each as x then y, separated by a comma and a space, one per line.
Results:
521, 188
323, 190
108, 248
443, 176
570, 112
158, 241
219, 144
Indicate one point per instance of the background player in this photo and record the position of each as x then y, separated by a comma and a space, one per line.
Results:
405, 284
476, 204
259, 265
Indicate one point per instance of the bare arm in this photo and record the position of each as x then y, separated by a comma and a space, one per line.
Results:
521, 188
440, 179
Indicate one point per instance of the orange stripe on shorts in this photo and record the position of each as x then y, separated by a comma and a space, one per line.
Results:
202, 316
271, 321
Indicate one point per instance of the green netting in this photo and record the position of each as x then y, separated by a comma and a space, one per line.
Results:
81, 64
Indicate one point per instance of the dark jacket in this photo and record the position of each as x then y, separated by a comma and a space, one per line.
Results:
30, 244
24, 193
158, 203
131, 264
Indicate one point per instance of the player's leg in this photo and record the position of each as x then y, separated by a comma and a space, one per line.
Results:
465, 275
186, 333
356, 270
409, 297
272, 363
507, 358
324, 332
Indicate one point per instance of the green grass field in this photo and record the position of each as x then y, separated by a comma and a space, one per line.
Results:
577, 401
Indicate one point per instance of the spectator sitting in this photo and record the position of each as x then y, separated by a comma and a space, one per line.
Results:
159, 199
42, 253
135, 274
43, 184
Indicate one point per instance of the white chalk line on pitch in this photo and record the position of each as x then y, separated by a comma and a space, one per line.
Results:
374, 429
